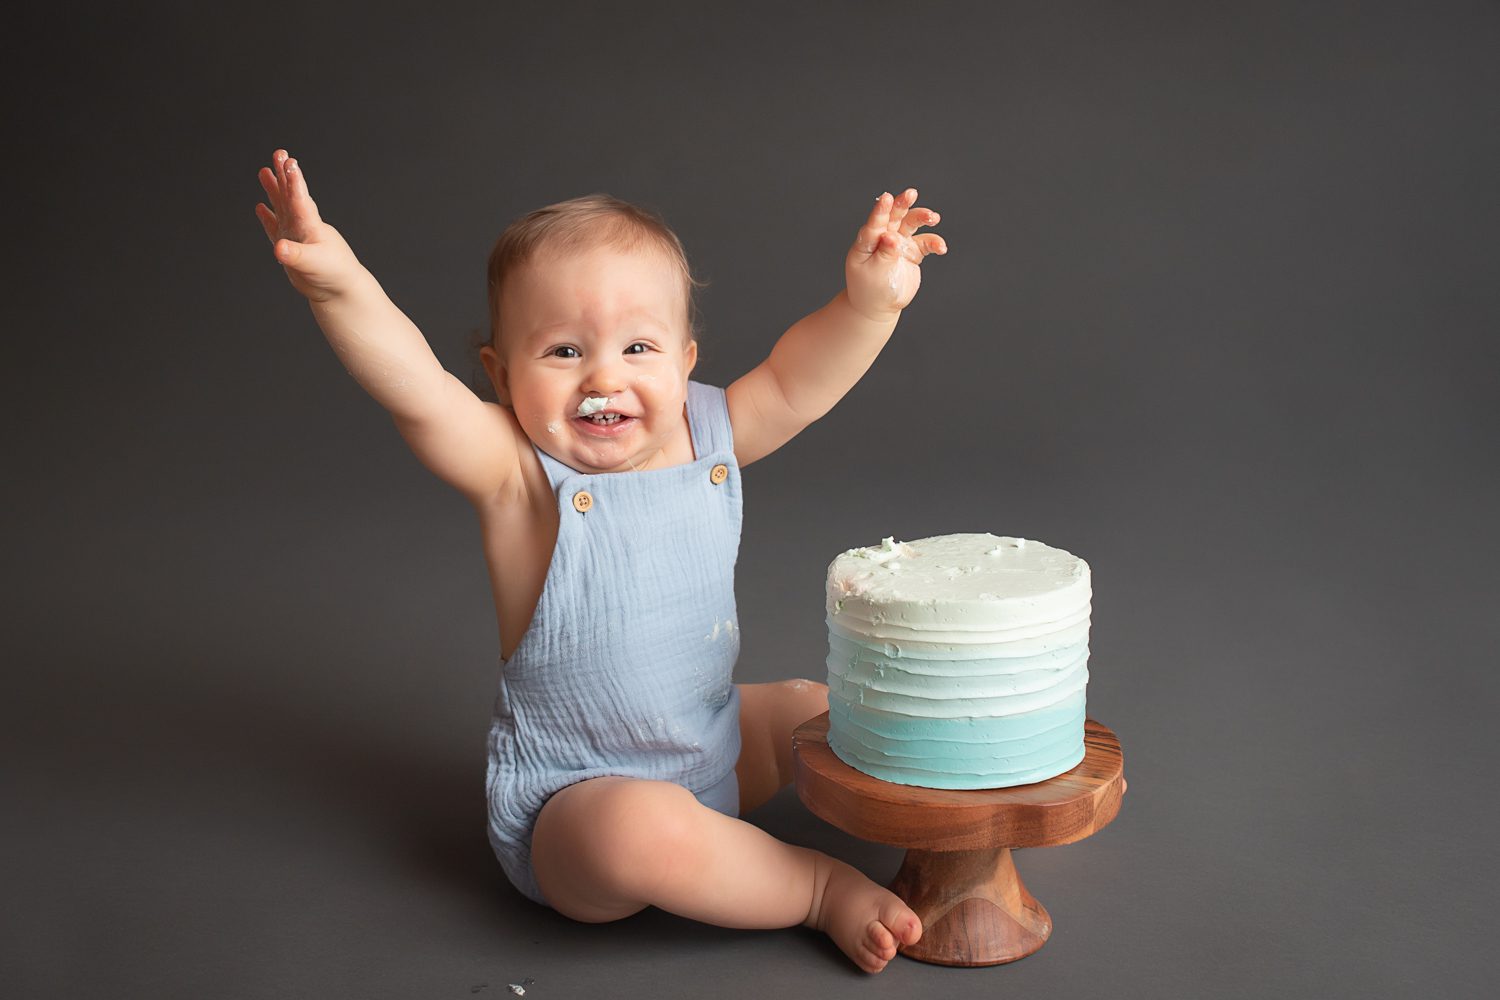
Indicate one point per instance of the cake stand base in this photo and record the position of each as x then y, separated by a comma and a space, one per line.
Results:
973, 907
958, 875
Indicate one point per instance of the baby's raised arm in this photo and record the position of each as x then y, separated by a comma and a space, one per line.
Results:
823, 355
466, 442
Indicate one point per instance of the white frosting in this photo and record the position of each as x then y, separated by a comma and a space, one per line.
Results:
957, 584
593, 404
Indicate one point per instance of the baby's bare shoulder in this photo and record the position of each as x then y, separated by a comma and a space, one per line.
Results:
477, 447
519, 525
526, 497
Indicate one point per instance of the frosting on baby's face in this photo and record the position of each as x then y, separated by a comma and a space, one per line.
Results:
596, 356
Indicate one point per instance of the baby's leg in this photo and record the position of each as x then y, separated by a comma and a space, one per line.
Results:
608, 847
768, 715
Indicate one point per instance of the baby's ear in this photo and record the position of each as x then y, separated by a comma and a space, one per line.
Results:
692, 355
494, 367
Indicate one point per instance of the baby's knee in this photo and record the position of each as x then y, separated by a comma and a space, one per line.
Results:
804, 699
600, 846
643, 826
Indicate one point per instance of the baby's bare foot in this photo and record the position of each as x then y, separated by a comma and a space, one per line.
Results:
866, 920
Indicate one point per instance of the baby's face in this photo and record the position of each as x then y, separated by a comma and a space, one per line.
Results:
601, 322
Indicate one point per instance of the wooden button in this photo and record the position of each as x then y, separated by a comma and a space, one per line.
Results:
582, 500
719, 473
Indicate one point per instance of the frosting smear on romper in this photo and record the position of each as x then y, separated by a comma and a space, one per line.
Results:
626, 666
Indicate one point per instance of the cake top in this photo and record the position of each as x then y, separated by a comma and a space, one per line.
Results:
965, 580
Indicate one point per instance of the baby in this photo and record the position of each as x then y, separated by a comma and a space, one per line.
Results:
607, 487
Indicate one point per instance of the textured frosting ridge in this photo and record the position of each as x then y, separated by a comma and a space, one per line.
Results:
958, 661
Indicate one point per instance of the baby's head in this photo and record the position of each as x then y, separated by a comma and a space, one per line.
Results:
591, 298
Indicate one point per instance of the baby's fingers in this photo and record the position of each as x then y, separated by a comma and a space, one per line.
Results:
902, 204
931, 243
272, 186
304, 212
877, 223
295, 214
267, 221
916, 219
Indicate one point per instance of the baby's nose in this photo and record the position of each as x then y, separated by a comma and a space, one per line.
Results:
603, 383
604, 374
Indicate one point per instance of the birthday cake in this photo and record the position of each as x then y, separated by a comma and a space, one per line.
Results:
958, 661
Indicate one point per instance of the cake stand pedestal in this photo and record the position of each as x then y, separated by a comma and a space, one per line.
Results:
958, 875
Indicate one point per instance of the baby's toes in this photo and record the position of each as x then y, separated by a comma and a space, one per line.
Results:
903, 923
876, 951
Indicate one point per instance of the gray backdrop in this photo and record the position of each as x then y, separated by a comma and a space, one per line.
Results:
1219, 317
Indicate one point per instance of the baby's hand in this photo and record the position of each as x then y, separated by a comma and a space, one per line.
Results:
318, 262
882, 269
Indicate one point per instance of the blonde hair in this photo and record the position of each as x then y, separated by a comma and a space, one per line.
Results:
582, 223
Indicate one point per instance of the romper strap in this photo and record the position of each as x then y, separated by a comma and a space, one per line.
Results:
708, 413
556, 471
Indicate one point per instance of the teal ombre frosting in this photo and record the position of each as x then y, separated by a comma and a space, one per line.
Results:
958, 661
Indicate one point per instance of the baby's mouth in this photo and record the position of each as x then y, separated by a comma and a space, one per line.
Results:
607, 421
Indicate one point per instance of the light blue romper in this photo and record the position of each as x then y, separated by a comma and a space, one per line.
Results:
626, 666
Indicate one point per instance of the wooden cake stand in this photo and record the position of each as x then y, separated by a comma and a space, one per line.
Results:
958, 875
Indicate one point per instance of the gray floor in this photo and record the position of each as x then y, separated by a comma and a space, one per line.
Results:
1219, 318
268, 781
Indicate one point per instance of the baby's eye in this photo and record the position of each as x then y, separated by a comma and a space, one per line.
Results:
643, 348
564, 348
